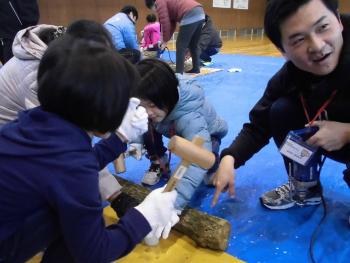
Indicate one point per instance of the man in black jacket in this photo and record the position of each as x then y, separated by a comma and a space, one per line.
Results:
209, 41
312, 88
14, 16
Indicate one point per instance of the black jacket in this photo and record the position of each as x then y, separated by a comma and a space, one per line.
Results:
209, 37
16, 15
291, 81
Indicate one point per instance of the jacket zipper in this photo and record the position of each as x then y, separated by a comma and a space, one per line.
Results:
14, 11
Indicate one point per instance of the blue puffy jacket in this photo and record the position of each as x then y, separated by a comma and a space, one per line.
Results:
123, 32
192, 115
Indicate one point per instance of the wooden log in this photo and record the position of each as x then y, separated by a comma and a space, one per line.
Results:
205, 230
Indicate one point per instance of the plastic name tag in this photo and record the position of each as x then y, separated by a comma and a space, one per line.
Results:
295, 148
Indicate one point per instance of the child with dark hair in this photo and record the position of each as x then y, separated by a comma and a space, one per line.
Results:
89, 29
49, 34
50, 170
151, 35
176, 106
18, 79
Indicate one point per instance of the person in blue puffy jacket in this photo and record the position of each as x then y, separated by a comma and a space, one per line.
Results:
122, 28
176, 106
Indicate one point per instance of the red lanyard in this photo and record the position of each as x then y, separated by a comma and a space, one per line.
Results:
319, 112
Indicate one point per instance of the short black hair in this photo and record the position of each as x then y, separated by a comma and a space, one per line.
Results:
130, 8
151, 18
50, 33
149, 3
158, 84
277, 11
91, 30
86, 83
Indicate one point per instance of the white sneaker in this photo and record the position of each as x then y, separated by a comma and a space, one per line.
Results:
152, 176
155, 171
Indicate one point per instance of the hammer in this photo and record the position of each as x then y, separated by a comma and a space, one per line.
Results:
191, 152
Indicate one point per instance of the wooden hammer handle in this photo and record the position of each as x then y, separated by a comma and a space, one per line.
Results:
181, 168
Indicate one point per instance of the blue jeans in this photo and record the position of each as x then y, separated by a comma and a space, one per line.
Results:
39, 232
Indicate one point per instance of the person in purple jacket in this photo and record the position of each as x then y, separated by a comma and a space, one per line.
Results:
50, 199
190, 15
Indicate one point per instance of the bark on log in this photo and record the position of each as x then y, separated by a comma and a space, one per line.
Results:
206, 230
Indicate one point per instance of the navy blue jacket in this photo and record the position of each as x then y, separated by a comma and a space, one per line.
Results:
49, 164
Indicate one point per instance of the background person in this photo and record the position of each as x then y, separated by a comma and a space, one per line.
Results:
14, 16
190, 15
122, 28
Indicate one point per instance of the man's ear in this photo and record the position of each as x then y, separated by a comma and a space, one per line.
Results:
283, 53
338, 17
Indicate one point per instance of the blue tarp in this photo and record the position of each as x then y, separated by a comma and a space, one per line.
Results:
258, 234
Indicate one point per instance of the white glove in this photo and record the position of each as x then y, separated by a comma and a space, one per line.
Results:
159, 210
135, 121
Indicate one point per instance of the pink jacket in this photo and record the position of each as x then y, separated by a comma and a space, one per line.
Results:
151, 35
170, 12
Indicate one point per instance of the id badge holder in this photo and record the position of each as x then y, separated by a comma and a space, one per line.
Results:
296, 149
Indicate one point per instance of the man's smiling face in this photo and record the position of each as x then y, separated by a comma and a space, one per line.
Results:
312, 38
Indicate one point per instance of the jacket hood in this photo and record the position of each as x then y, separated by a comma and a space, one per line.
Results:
37, 132
191, 96
28, 45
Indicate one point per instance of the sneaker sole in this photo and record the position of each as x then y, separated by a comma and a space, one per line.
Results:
279, 207
310, 202
287, 206
148, 184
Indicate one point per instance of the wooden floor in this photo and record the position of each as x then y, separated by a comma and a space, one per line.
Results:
256, 45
